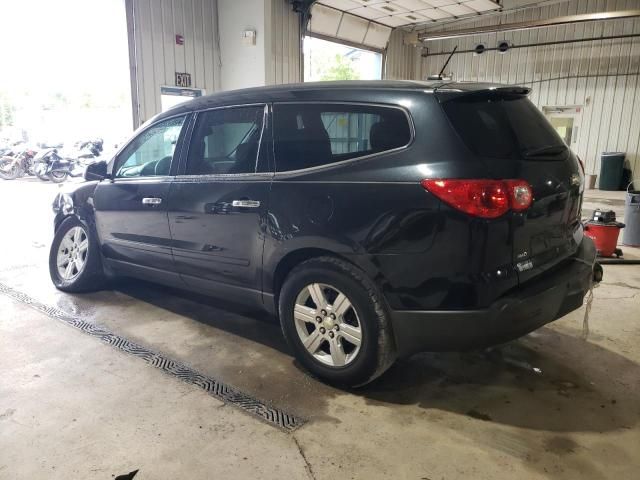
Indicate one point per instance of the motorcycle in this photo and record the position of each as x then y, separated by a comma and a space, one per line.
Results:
90, 148
10, 149
50, 165
17, 164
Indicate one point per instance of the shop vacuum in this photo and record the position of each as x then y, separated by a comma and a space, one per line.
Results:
604, 230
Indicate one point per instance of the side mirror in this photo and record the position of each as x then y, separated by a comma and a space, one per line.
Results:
96, 171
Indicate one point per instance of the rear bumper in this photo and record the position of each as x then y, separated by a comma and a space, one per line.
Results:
542, 300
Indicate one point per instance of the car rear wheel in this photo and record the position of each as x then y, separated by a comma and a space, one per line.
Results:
334, 320
75, 264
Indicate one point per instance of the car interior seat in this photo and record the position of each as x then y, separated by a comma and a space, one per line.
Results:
303, 141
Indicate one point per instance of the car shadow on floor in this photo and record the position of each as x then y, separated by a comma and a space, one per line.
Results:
548, 380
252, 324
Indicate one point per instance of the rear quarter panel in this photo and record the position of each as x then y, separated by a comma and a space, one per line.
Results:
375, 213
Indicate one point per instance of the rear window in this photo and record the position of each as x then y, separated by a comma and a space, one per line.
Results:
499, 126
311, 135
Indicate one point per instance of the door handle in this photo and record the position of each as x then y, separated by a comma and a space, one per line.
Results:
246, 203
151, 201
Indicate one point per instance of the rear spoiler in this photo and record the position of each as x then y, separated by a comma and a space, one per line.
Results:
449, 91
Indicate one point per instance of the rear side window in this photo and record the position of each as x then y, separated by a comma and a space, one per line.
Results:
311, 135
499, 126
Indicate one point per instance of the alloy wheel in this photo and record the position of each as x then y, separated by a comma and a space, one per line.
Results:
327, 324
72, 253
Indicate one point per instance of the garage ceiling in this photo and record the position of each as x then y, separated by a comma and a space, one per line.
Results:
369, 22
399, 13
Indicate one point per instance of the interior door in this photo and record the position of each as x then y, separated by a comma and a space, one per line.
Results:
217, 206
131, 208
565, 121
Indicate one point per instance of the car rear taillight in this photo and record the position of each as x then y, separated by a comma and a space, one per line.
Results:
521, 194
482, 198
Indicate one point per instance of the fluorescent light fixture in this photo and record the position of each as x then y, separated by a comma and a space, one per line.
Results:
389, 8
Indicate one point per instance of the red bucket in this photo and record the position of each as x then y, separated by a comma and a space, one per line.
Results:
605, 236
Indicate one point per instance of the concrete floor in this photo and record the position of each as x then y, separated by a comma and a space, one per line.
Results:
550, 405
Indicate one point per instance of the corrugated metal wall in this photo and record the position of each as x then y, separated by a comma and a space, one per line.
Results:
156, 57
599, 76
282, 60
401, 61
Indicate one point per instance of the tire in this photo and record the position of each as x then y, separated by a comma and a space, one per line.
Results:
10, 173
58, 177
81, 278
41, 176
361, 363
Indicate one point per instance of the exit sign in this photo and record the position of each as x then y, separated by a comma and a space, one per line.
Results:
183, 79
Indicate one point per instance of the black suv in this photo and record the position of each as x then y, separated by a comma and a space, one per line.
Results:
375, 219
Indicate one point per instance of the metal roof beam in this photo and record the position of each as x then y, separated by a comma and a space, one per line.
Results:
510, 27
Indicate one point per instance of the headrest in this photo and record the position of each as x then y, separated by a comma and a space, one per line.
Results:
386, 135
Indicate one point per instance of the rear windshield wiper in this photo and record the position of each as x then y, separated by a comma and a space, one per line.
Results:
544, 151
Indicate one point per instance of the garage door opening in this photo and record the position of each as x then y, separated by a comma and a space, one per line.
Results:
327, 61
68, 80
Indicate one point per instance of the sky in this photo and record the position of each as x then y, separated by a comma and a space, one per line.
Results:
64, 43
71, 49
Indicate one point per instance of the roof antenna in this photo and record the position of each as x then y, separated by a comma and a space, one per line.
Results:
439, 76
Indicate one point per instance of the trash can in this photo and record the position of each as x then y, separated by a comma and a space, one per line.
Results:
611, 166
631, 234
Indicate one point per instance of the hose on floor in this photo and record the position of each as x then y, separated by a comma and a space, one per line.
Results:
617, 261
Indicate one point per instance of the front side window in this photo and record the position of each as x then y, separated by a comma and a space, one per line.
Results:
310, 135
150, 154
226, 141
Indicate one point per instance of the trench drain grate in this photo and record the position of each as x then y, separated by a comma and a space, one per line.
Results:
228, 394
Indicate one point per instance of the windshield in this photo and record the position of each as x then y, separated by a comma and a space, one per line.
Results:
499, 126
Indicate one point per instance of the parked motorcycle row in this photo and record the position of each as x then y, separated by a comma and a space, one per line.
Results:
49, 164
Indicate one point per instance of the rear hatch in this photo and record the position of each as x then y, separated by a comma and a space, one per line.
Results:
505, 131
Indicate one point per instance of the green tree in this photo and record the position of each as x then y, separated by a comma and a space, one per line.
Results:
340, 69
7, 111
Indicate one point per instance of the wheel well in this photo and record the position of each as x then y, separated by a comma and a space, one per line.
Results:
58, 221
294, 258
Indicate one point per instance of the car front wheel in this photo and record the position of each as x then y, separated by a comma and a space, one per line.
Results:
75, 264
334, 320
